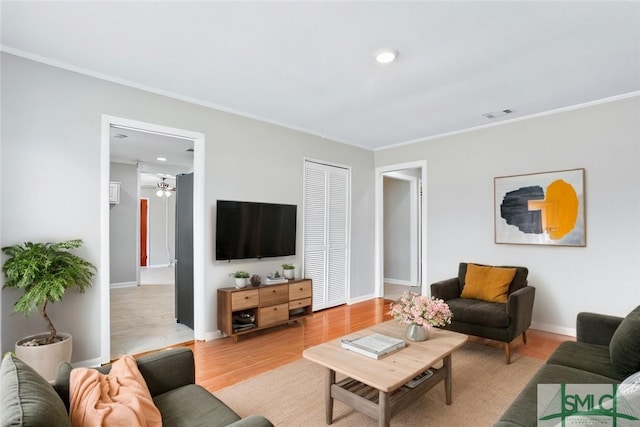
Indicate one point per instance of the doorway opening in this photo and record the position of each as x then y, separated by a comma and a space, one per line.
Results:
118, 238
400, 230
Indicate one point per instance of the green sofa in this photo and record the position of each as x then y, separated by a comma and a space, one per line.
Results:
606, 351
29, 400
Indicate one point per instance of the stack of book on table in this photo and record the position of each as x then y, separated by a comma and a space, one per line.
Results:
374, 346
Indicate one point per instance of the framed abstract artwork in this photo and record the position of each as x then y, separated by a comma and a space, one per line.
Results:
546, 208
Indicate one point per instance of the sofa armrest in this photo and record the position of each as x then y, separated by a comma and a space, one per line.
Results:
167, 369
595, 328
446, 289
520, 307
252, 421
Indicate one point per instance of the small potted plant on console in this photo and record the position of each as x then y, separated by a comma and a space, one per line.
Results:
241, 278
289, 270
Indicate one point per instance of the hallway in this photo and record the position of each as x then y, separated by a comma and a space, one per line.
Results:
143, 317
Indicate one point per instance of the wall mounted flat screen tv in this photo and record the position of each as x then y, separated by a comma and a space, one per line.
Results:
254, 230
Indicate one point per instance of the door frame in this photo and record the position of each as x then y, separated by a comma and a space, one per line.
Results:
198, 223
414, 224
379, 223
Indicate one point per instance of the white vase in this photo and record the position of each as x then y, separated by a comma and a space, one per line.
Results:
241, 282
289, 274
44, 359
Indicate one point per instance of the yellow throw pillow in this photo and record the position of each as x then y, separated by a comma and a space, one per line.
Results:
487, 283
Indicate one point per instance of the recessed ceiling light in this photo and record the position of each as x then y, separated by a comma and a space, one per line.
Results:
385, 56
161, 159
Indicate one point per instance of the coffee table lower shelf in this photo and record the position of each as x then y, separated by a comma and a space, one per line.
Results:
378, 404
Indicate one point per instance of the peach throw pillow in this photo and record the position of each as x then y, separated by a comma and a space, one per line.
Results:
487, 283
119, 398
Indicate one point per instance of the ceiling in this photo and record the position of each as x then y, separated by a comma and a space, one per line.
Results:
309, 65
147, 150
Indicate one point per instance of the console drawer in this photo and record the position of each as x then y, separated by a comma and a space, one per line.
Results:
299, 303
273, 314
300, 290
274, 294
244, 299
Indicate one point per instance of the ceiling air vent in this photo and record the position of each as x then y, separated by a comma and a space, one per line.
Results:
496, 114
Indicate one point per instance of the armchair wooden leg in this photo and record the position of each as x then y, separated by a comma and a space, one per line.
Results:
524, 337
507, 352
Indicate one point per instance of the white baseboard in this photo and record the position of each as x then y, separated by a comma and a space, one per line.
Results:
210, 336
91, 363
399, 282
360, 299
123, 285
554, 329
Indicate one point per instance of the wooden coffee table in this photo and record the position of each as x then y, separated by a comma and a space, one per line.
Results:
377, 387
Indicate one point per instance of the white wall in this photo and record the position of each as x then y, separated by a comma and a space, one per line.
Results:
162, 213
604, 139
397, 229
123, 234
51, 129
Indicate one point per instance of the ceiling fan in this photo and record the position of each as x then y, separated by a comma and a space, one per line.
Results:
164, 189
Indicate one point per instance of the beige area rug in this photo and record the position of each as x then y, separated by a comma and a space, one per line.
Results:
483, 387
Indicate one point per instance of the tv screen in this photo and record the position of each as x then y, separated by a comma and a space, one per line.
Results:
254, 230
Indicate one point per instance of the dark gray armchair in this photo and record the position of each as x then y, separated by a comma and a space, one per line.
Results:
497, 321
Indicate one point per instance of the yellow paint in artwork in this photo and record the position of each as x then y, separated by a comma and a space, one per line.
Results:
561, 212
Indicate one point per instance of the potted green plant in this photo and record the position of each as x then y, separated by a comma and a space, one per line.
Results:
241, 278
44, 271
288, 270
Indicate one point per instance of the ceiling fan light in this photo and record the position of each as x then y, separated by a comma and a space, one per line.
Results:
167, 193
159, 193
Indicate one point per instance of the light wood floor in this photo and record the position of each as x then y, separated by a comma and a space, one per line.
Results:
143, 317
221, 363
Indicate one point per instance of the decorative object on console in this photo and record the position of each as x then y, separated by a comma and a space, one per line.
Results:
420, 313
255, 280
241, 278
541, 208
275, 278
288, 270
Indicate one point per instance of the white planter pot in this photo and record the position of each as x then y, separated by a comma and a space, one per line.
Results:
44, 359
289, 274
241, 283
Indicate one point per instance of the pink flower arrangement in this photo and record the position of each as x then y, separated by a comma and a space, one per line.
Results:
421, 310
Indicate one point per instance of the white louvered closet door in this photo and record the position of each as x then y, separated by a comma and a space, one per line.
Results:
326, 233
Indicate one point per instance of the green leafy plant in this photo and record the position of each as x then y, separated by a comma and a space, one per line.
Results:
288, 267
239, 274
44, 271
